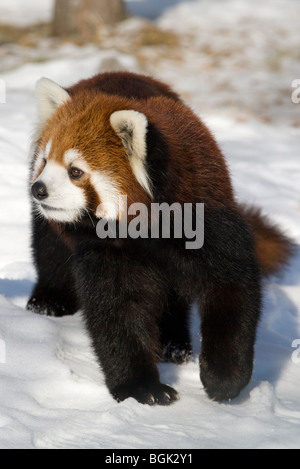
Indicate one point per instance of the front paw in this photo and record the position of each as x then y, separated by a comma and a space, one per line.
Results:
47, 307
225, 382
150, 393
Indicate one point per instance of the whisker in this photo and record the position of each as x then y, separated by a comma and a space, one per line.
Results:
89, 215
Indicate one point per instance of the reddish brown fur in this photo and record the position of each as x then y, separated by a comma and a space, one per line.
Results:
273, 249
83, 123
203, 176
135, 294
130, 85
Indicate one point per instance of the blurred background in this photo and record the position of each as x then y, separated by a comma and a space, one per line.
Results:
234, 62
233, 57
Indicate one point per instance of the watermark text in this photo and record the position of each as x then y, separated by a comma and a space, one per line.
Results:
296, 354
296, 92
157, 221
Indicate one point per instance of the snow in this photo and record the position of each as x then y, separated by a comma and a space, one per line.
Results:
52, 393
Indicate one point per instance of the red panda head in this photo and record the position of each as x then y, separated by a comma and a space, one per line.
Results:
90, 149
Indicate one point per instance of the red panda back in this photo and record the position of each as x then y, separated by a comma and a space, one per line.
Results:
125, 84
197, 170
174, 145
195, 167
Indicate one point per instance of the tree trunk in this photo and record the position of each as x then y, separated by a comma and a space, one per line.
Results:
83, 18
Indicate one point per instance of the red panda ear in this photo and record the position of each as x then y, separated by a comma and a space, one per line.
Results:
50, 96
131, 126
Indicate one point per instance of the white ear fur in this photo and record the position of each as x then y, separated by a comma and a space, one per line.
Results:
50, 96
131, 127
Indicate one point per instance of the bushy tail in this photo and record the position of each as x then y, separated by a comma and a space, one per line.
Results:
273, 248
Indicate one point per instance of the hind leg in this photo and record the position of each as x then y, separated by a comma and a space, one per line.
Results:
226, 278
230, 304
175, 334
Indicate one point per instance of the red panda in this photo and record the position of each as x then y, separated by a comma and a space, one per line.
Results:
122, 135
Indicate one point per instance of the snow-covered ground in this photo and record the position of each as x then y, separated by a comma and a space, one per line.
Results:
52, 394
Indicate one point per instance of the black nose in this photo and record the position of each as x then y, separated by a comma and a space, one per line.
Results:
39, 191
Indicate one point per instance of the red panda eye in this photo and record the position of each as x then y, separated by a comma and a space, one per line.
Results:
75, 173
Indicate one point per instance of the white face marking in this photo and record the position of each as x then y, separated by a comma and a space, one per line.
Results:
71, 156
41, 156
66, 202
74, 158
104, 185
48, 149
109, 194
